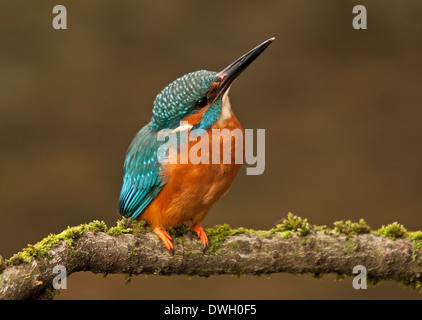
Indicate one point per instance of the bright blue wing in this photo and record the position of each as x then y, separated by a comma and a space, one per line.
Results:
142, 180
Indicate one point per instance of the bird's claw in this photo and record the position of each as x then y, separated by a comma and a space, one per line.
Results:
165, 237
205, 247
202, 236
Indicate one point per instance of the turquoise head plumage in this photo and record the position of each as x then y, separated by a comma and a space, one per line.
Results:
183, 97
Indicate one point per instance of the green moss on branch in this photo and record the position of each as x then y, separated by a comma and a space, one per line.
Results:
217, 235
53, 240
393, 231
293, 246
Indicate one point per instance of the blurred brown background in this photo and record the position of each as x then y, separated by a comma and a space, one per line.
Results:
341, 108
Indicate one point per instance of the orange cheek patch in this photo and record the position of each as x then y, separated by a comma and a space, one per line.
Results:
196, 117
214, 86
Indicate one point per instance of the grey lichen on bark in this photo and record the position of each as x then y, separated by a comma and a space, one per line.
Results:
389, 253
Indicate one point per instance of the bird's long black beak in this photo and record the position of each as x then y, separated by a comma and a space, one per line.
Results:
229, 74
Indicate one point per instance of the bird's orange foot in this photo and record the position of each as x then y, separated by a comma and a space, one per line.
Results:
165, 237
201, 234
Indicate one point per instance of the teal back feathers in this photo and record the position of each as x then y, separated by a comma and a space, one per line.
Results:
141, 180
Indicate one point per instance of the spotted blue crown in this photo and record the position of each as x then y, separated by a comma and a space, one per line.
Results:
178, 99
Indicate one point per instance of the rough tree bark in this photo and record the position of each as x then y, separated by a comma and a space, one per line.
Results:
316, 252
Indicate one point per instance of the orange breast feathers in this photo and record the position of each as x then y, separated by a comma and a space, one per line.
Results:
191, 189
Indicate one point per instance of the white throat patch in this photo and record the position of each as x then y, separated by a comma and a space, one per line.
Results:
226, 110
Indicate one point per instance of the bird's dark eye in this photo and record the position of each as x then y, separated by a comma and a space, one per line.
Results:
201, 103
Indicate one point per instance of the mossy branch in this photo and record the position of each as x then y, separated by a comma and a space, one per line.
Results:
295, 246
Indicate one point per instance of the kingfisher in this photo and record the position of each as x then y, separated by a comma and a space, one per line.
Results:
172, 193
